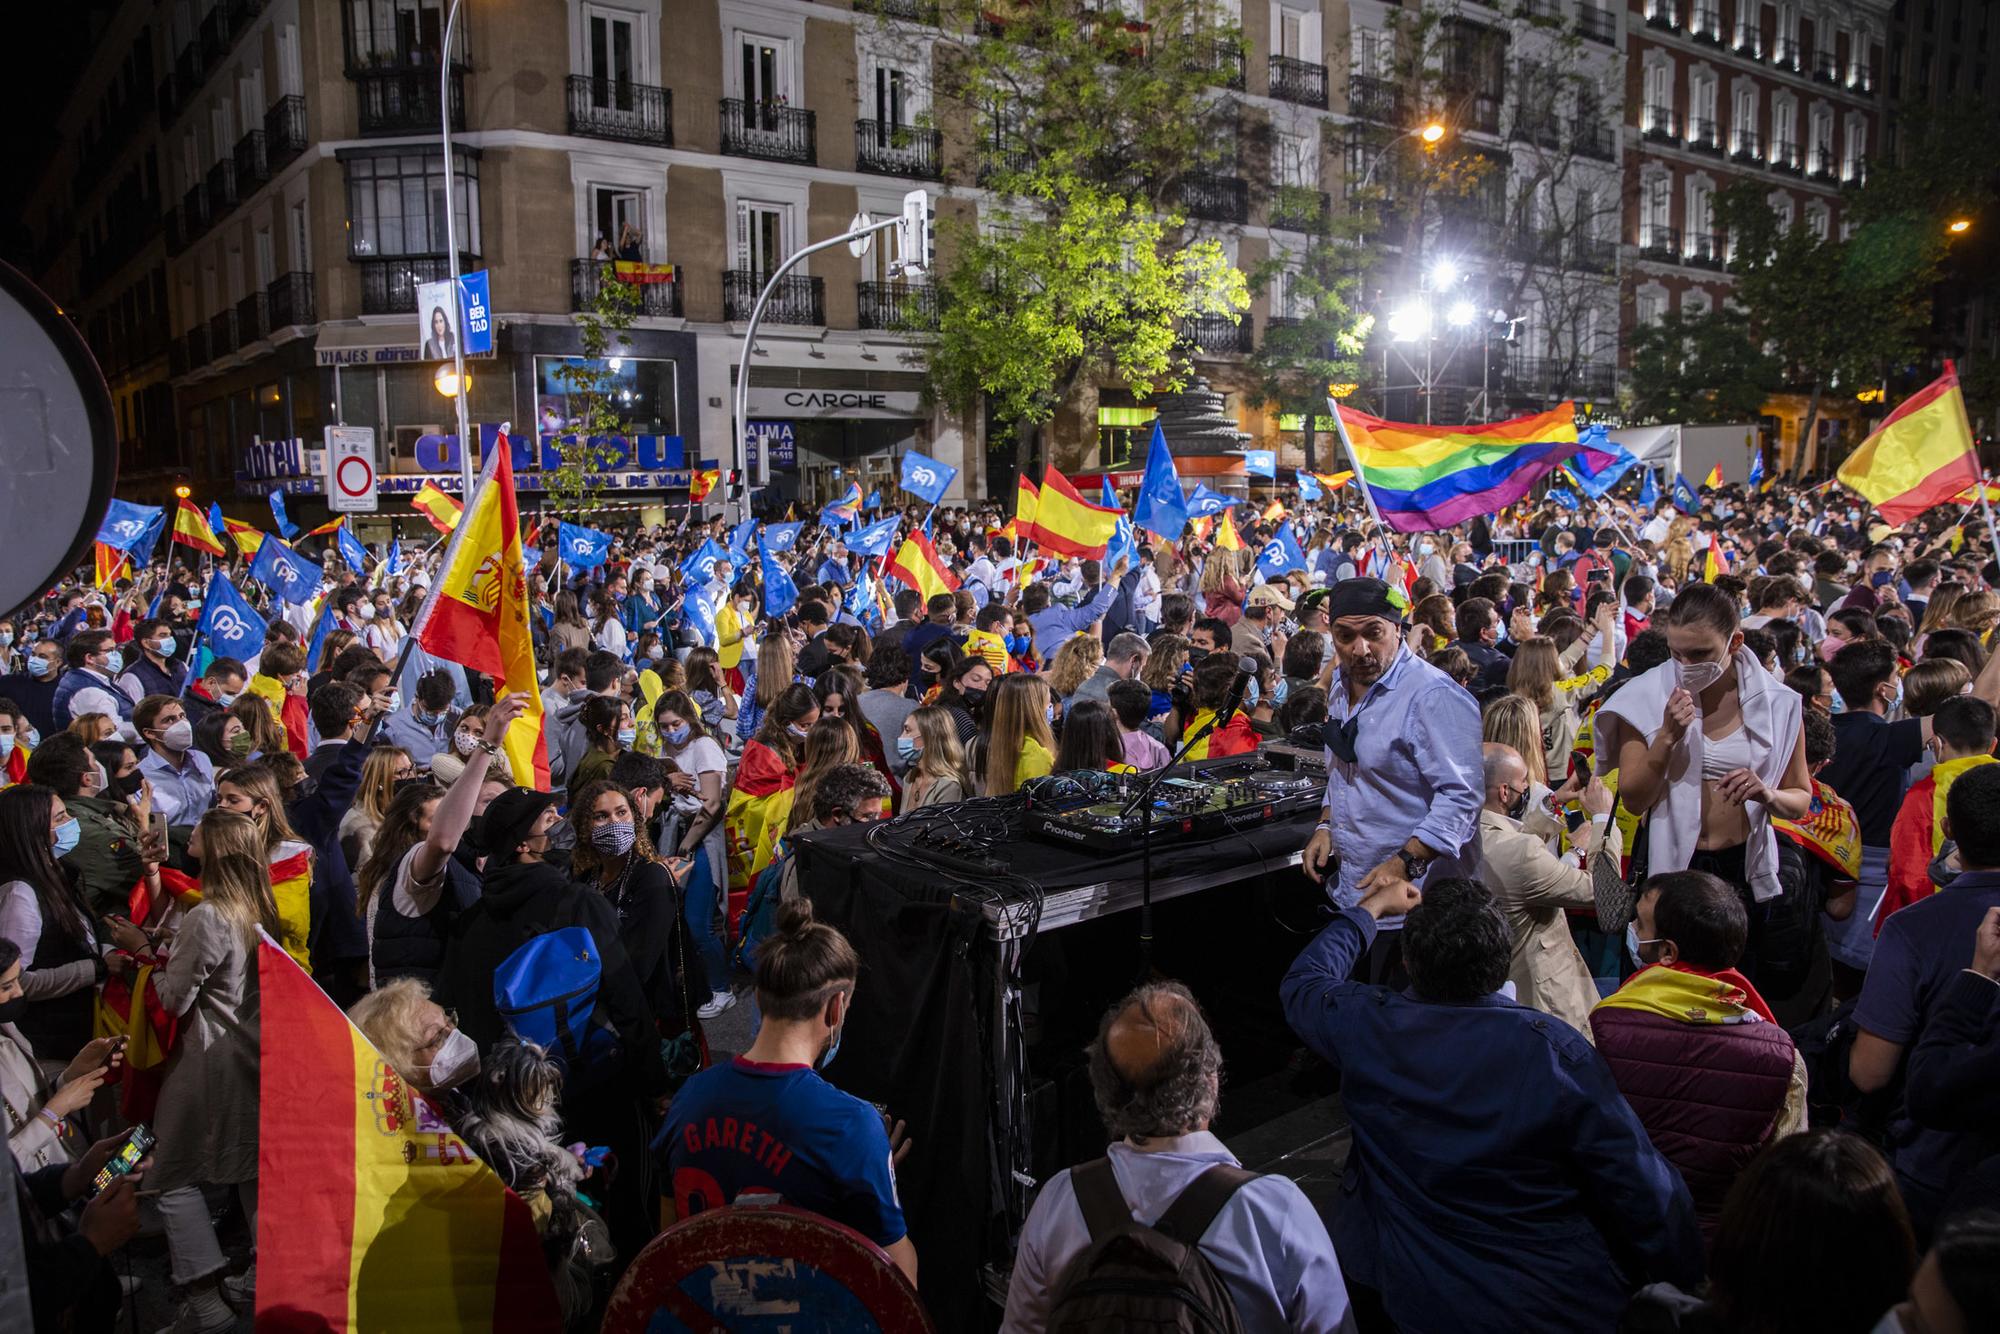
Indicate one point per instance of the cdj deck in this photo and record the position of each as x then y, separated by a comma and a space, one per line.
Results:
1096, 811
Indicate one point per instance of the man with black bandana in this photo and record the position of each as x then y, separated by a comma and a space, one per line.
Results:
1404, 785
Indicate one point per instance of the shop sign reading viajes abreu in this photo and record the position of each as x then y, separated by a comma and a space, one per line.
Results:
636, 463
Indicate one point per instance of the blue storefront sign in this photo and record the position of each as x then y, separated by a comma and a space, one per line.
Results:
779, 435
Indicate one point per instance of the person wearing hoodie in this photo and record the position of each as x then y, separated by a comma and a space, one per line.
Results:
34, 686
523, 896
568, 739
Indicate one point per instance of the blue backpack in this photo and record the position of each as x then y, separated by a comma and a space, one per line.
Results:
546, 993
760, 915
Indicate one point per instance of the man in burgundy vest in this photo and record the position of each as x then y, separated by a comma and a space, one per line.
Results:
1691, 1044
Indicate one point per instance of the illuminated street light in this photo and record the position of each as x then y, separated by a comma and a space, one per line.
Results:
446, 380
1443, 274
183, 491
1432, 132
1462, 313
1959, 226
1409, 323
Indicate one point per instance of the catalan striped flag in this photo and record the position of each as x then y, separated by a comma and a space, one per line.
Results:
1424, 478
441, 509
191, 529
1068, 525
382, 1217
1921, 456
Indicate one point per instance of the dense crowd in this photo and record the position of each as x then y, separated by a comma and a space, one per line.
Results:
1660, 973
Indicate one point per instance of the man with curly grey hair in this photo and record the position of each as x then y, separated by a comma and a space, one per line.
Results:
1156, 1070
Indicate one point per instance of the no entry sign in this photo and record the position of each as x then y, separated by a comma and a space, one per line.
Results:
350, 470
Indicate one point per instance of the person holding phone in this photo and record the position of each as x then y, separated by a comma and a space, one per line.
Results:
70, 1285
38, 1107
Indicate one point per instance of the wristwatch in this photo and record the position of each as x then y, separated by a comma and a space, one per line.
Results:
490, 747
1413, 865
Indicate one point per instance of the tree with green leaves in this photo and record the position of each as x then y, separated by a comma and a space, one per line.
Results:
589, 386
1699, 368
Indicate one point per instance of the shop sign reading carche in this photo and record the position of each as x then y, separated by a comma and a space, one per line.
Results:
766, 401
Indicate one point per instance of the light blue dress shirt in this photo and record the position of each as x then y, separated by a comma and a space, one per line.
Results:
1056, 622
183, 795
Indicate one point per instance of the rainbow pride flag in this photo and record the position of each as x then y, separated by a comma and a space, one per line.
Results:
1424, 478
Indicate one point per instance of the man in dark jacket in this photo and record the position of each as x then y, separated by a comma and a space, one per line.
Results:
1693, 1047
1478, 634
1498, 1182
34, 686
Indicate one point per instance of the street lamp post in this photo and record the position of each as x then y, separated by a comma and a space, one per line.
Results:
466, 447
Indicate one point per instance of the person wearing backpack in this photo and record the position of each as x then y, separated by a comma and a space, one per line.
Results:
1167, 1231
538, 958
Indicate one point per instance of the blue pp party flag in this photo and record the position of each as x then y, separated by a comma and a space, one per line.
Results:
926, 478
700, 617
1685, 499
125, 524
286, 528
860, 602
1281, 555
1261, 463
780, 593
874, 540
1309, 487
229, 625
285, 572
699, 567
780, 536
582, 548
1649, 491
874, 501
1123, 545
1756, 469
1107, 495
321, 629
1205, 503
1161, 508
1563, 497
739, 542
843, 509
351, 549
215, 523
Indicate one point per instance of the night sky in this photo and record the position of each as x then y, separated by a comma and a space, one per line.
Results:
55, 39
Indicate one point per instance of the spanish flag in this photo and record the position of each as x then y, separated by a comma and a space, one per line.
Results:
477, 611
1715, 562
1067, 524
111, 563
1027, 499
1333, 481
291, 884
332, 525
379, 1217
703, 482
191, 529
441, 509
247, 539
1274, 510
1714, 478
760, 804
1921, 456
1225, 534
916, 563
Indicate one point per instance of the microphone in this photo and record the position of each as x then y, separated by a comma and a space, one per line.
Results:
1246, 668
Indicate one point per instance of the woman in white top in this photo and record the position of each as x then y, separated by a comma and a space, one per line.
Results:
606, 630
697, 833
39, 1132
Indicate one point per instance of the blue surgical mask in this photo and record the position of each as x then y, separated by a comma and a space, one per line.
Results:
6, 745
40, 667
1049, 712
627, 735
832, 1049
907, 748
1253, 693
67, 835
165, 647
679, 736
114, 663
1283, 690
796, 732
6, 638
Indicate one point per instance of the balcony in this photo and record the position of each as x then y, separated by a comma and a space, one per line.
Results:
189, 352
252, 170
1662, 15
1299, 81
289, 300
1593, 139
1854, 174
1217, 335
1482, 113
912, 11
1823, 164
405, 101
898, 306
1546, 10
1370, 98
1299, 208
1214, 197
1223, 65
389, 283
194, 214
633, 113
1826, 68
188, 70
284, 131
1704, 135
1592, 254
214, 35
1558, 377
1747, 146
1705, 250
251, 323
1662, 125
1535, 247
1787, 54
1595, 24
898, 150
1537, 126
1747, 40
1002, 158
221, 188
221, 334
1706, 25
1785, 157
1659, 242
772, 131
797, 299
659, 292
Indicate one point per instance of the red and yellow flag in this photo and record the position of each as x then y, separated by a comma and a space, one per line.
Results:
1921, 456
440, 508
703, 482
1714, 563
760, 805
916, 563
111, 563
1274, 510
1714, 478
1333, 481
1225, 533
1068, 525
330, 526
1027, 499
379, 1216
191, 529
247, 538
477, 611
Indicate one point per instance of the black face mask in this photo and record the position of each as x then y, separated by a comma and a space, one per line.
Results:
972, 697
1519, 806
129, 785
11, 1011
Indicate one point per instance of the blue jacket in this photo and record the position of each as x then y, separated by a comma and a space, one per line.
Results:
1498, 1181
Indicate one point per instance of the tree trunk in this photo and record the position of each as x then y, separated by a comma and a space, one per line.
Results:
1312, 416
1806, 428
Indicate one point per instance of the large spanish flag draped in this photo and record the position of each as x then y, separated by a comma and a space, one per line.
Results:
760, 803
191, 529
477, 611
376, 1215
1921, 456
1068, 525
916, 563
441, 509
1425, 478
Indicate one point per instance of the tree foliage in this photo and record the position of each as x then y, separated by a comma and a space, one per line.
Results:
589, 385
1699, 368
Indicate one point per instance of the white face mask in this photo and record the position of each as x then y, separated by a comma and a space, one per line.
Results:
1699, 676
457, 1060
465, 743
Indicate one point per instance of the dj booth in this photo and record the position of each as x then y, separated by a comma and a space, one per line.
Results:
954, 909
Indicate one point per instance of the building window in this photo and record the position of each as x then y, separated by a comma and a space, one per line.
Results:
1782, 209
763, 236
1818, 219
1649, 305
386, 33
1695, 302
395, 204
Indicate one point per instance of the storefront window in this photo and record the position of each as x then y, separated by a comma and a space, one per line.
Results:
1121, 432
395, 204
642, 392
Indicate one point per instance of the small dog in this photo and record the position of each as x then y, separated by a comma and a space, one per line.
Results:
510, 1120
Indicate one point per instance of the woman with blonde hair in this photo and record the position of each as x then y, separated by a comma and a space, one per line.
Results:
829, 744
206, 1122
1513, 720
385, 767
266, 732
1977, 611
93, 727
1019, 743
1938, 611
773, 670
1222, 592
937, 773
252, 790
1074, 661
1548, 678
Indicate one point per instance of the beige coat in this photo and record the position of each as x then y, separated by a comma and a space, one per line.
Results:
207, 1118
1534, 887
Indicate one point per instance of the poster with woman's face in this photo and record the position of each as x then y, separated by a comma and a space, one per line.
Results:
437, 310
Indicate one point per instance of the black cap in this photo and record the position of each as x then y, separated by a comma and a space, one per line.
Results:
1362, 597
509, 818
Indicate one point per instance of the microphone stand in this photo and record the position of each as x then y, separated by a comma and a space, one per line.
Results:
1143, 801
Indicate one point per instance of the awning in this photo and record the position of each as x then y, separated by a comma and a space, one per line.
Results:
381, 344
